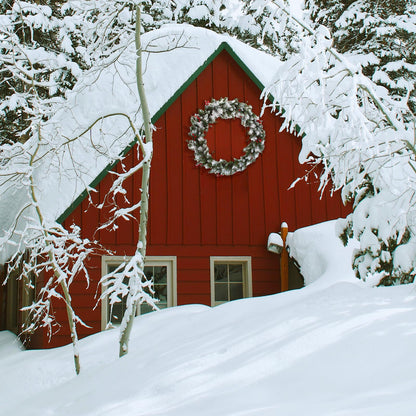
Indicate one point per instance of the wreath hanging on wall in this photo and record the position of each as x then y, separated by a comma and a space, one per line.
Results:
225, 109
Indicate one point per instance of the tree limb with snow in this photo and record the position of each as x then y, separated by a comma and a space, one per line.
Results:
365, 144
47, 257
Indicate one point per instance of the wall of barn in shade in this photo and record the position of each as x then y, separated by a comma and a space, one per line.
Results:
194, 214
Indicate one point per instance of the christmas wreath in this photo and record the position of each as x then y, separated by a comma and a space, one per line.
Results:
225, 109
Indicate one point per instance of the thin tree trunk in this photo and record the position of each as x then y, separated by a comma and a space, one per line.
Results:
144, 207
56, 269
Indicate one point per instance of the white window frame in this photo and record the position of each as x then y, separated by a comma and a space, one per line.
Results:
168, 261
247, 275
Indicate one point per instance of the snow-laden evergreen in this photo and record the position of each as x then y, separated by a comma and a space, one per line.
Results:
363, 139
40, 60
380, 36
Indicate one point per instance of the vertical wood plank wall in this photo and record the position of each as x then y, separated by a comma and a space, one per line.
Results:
194, 214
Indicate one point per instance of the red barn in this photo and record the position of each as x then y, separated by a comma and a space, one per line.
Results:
207, 235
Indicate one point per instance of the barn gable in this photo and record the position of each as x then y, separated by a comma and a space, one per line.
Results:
201, 225
224, 46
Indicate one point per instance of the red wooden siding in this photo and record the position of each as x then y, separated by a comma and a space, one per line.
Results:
194, 214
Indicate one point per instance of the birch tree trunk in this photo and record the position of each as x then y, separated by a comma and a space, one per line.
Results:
59, 274
144, 206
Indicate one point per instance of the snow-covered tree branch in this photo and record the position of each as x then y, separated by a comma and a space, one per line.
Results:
359, 134
48, 257
37, 64
44, 247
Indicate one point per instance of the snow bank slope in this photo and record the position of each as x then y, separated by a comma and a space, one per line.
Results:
344, 350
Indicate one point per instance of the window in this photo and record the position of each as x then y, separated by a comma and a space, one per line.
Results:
159, 273
230, 279
163, 272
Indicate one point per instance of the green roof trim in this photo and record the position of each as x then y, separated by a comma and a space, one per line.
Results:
224, 46
243, 66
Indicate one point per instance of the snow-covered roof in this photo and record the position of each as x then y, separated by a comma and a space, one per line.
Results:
173, 55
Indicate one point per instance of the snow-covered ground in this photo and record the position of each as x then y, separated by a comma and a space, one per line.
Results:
335, 347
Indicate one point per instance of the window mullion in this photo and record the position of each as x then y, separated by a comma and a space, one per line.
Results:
228, 282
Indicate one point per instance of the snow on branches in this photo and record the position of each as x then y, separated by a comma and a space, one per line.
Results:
357, 132
53, 258
38, 64
128, 282
47, 257
381, 35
